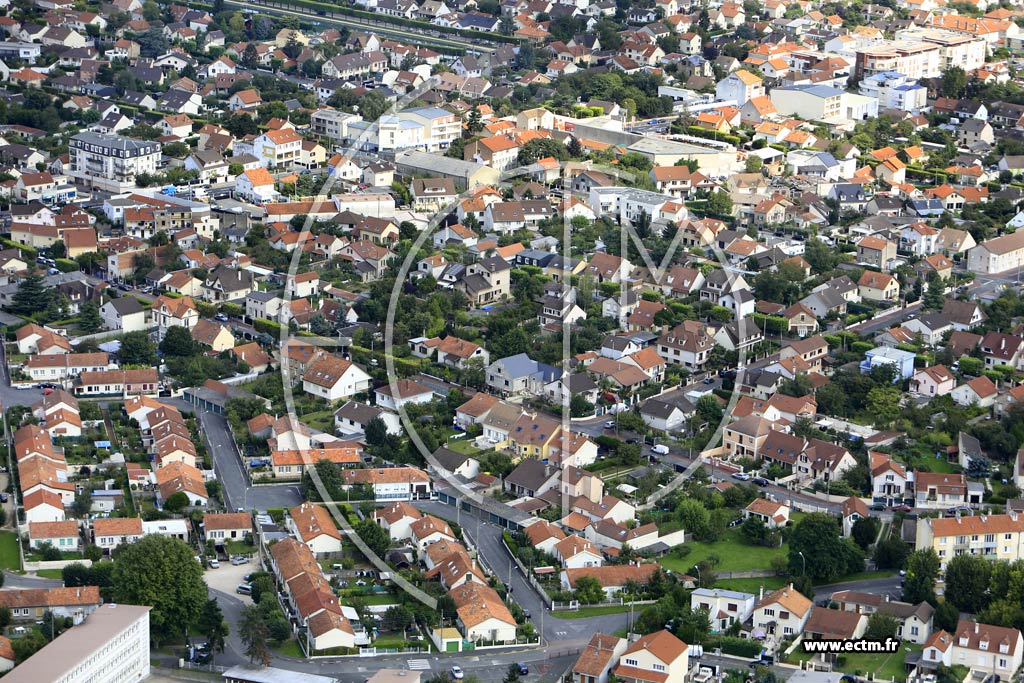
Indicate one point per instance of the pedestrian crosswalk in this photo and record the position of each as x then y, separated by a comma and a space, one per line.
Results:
418, 664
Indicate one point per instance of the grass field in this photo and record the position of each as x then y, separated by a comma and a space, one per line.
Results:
733, 553
386, 599
587, 612
10, 557
50, 574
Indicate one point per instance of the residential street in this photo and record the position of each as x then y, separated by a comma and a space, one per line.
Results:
227, 463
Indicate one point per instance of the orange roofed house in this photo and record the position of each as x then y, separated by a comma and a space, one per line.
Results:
391, 483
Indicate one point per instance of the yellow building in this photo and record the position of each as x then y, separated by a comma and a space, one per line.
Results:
994, 537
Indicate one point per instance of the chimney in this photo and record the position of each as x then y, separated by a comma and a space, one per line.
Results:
976, 627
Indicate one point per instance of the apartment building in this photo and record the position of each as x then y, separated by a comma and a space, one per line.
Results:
894, 90
424, 129
955, 49
332, 124
997, 255
912, 58
111, 162
277, 148
988, 650
994, 537
110, 646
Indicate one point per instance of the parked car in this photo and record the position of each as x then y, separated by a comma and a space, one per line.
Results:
214, 563
609, 424
742, 476
244, 589
660, 449
761, 481
238, 559
522, 668
877, 507
457, 673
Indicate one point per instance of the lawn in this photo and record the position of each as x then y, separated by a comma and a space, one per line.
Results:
290, 648
50, 574
587, 612
322, 420
770, 583
386, 599
464, 446
733, 553
883, 666
10, 556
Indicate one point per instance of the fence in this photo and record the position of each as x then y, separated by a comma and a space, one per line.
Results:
575, 605
53, 564
530, 579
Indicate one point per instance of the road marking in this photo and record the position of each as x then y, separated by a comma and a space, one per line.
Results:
418, 664
561, 633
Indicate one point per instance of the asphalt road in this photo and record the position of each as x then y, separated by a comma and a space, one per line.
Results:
227, 463
889, 585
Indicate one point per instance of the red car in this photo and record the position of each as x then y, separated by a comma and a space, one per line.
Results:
901, 508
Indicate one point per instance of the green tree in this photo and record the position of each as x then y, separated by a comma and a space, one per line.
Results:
161, 572
922, 572
376, 432
137, 349
177, 502
884, 404
881, 626
865, 531
255, 634
178, 342
817, 544
32, 296
83, 503
74, 575
891, 553
954, 82
967, 578
374, 536
89, 319
589, 590
720, 204
821, 257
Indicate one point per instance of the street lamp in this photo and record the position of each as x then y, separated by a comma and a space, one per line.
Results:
804, 560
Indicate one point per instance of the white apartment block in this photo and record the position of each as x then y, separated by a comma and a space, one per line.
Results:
332, 124
427, 129
894, 90
955, 49
111, 162
110, 646
627, 203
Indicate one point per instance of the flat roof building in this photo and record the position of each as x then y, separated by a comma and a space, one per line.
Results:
110, 646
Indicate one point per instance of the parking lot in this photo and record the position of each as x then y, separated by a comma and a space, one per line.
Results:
227, 577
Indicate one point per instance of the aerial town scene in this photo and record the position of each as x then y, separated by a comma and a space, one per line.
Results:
512, 341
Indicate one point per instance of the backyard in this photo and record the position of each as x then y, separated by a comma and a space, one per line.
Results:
10, 557
881, 666
733, 553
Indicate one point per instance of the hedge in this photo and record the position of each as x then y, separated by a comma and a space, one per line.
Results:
699, 132
27, 250
65, 265
774, 324
267, 326
739, 647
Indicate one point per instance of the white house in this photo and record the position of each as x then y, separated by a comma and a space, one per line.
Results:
334, 378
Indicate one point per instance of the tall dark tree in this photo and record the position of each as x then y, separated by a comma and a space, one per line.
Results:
967, 581
137, 349
922, 572
161, 572
89, 319
818, 550
32, 296
253, 631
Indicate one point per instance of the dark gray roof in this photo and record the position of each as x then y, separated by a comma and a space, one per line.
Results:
530, 474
